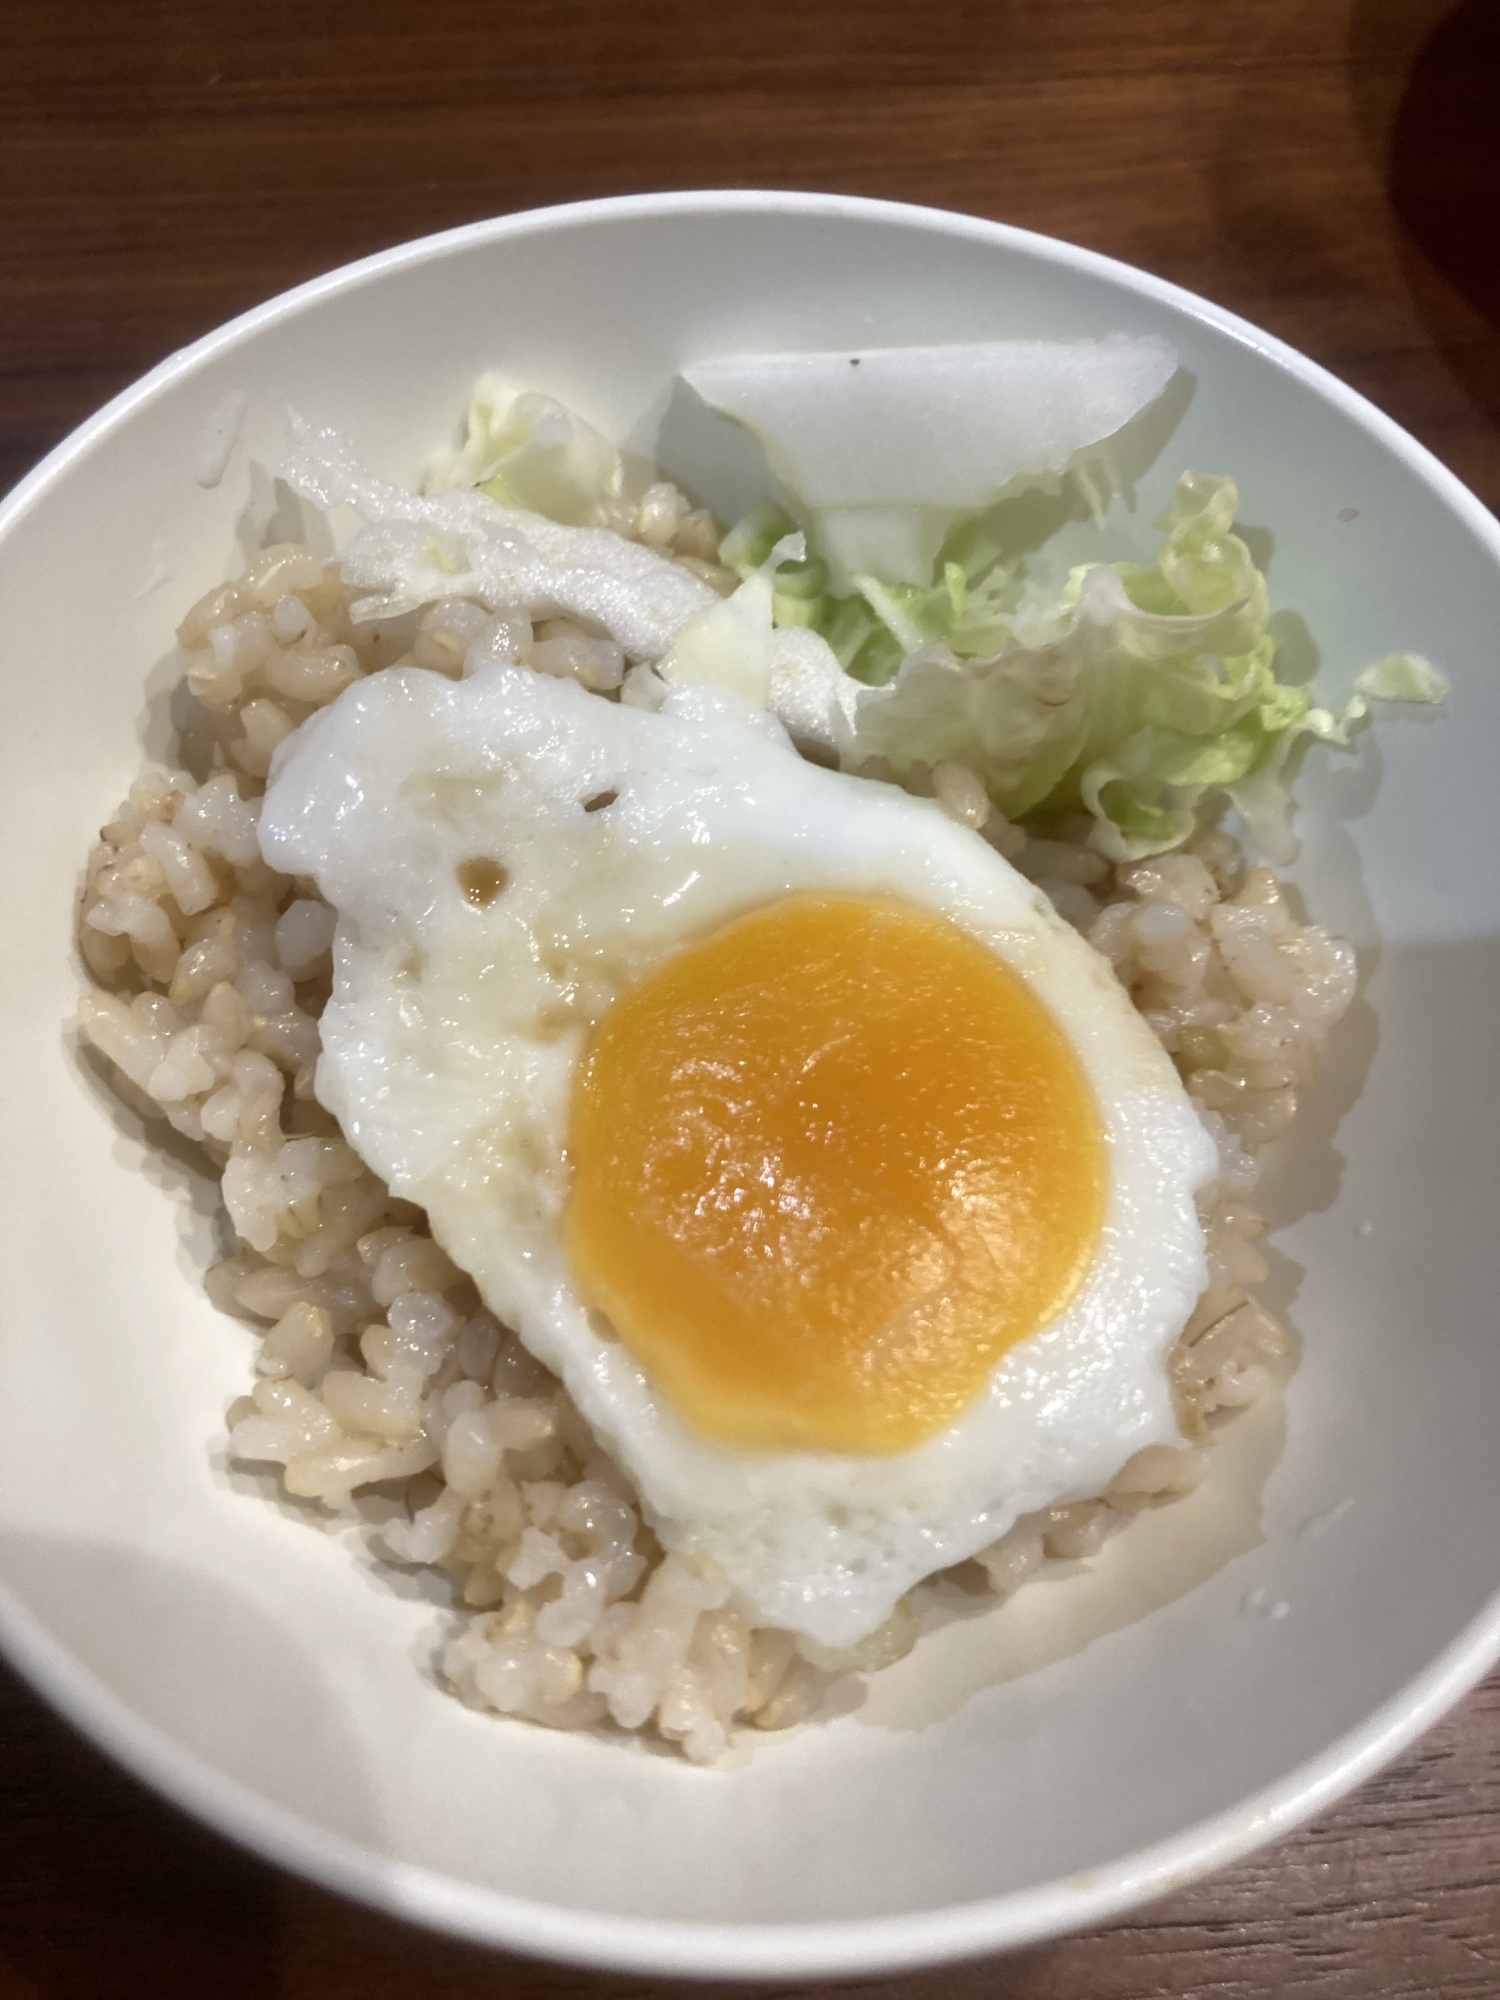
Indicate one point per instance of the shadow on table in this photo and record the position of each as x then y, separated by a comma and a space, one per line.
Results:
1425, 81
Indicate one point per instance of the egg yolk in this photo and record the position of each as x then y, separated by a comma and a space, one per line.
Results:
828, 1165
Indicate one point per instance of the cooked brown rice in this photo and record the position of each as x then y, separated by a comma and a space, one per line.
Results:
378, 1365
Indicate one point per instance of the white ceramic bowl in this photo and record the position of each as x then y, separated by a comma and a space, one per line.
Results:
1026, 1772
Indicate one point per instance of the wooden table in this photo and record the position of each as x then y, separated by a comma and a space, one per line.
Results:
1331, 168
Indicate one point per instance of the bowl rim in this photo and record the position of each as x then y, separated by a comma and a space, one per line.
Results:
683, 1947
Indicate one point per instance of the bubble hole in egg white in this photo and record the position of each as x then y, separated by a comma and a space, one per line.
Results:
453, 1033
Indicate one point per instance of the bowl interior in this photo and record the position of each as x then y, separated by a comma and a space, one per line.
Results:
271, 1674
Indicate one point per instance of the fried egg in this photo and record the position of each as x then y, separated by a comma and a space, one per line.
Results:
835, 1175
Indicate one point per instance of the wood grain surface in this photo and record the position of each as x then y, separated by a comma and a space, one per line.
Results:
1330, 168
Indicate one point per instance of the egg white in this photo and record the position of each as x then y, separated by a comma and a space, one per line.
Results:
453, 1033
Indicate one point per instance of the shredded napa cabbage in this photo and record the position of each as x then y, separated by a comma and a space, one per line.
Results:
1128, 695
419, 549
884, 452
529, 451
